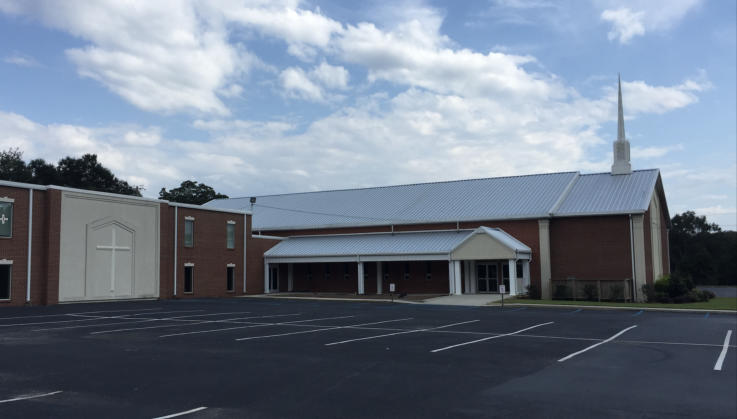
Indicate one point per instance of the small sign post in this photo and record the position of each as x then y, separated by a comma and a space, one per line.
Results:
502, 290
392, 288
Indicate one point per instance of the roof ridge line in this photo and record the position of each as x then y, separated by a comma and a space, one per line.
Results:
564, 194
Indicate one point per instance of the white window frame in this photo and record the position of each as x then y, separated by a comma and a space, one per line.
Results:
190, 221
230, 228
10, 201
228, 268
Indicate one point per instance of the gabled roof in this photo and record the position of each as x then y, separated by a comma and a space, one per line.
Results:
503, 198
429, 243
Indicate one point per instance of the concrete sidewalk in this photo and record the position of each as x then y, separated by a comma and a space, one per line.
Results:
465, 299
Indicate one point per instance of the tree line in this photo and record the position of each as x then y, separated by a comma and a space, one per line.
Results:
87, 173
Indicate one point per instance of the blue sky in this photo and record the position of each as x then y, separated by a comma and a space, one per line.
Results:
256, 97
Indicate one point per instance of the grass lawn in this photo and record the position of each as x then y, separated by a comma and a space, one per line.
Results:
719, 303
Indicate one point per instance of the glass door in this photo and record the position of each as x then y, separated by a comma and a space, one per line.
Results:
487, 279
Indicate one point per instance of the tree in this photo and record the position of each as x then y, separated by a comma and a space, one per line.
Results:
12, 166
702, 250
191, 192
83, 173
87, 173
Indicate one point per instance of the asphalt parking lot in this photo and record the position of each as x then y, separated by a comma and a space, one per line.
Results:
268, 358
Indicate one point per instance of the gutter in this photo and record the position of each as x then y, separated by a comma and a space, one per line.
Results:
30, 244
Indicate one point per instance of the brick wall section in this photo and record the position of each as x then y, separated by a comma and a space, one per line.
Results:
255, 263
40, 245
590, 248
53, 242
526, 231
209, 253
15, 248
166, 251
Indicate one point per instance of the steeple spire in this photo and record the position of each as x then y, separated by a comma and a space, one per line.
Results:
621, 164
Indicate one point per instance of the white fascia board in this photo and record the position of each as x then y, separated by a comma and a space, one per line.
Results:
199, 207
22, 185
355, 258
106, 194
263, 236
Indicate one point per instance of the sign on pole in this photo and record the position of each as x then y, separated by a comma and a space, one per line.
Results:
6, 219
392, 288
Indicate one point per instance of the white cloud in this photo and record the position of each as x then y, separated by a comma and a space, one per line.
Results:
334, 77
296, 84
312, 86
626, 24
631, 18
21, 60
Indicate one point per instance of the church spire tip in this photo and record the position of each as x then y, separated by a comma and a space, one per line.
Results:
621, 164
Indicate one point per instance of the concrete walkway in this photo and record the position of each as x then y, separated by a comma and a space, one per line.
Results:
465, 299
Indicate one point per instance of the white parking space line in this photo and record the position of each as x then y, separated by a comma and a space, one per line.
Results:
31, 396
252, 324
88, 318
83, 312
490, 337
596, 344
173, 415
121, 317
192, 322
324, 329
399, 333
723, 354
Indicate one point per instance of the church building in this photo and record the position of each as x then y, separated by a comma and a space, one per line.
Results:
562, 235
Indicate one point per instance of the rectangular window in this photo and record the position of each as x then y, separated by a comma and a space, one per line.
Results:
6, 219
188, 232
385, 270
230, 278
230, 234
188, 279
5, 275
428, 270
406, 270
327, 271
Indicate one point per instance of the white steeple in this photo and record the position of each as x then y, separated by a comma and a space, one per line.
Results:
621, 164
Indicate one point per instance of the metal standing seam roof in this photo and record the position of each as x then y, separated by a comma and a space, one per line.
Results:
384, 244
516, 197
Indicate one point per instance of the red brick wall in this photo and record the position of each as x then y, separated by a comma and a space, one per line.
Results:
15, 248
256, 249
209, 253
590, 247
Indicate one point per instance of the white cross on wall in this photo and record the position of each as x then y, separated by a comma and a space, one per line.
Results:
3, 218
112, 247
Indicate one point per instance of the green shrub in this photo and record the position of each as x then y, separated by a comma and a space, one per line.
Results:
591, 292
561, 292
674, 288
533, 291
616, 291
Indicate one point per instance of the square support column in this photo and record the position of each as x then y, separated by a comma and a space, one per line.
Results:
266, 277
525, 274
360, 278
457, 277
379, 277
467, 276
290, 277
451, 279
512, 277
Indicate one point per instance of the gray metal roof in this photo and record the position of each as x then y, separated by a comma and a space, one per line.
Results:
603, 193
516, 197
384, 244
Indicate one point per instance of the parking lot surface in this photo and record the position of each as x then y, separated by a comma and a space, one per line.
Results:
269, 358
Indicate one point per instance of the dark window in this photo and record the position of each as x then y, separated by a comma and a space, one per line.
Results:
5, 271
385, 270
230, 236
230, 275
327, 271
406, 270
188, 233
346, 270
188, 278
428, 270
309, 272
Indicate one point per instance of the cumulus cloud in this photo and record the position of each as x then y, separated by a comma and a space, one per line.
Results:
633, 18
312, 86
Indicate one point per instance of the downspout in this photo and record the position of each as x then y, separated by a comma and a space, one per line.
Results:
30, 242
176, 243
632, 255
245, 240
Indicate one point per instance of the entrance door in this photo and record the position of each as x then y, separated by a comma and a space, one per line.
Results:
487, 277
274, 278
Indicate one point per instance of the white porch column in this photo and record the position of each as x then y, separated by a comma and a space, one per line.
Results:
290, 277
457, 277
266, 277
360, 278
467, 276
451, 279
525, 274
379, 277
472, 274
545, 269
512, 277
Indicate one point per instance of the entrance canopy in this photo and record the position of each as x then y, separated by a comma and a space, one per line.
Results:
481, 243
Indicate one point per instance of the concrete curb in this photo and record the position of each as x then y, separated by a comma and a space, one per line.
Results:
360, 300
665, 309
